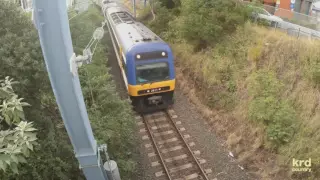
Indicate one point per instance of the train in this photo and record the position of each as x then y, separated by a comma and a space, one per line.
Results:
146, 61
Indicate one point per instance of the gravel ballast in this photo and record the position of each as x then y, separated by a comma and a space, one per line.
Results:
213, 149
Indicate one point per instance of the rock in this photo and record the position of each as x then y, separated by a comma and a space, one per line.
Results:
230, 154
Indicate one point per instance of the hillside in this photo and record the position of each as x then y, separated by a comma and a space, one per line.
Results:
258, 88
261, 93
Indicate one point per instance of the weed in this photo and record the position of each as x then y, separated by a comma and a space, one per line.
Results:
262, 109
264, 83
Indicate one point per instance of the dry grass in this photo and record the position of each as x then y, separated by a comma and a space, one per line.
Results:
216, 80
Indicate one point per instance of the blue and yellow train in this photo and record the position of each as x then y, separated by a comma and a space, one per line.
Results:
146, 61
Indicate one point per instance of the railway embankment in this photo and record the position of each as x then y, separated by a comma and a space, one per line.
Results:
257, 88
261, 93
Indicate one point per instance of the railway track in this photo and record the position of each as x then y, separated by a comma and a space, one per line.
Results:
172, 153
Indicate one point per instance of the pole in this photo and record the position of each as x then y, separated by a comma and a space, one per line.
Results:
134, 8
51, 20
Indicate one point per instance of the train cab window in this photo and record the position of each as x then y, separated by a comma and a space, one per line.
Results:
147, 73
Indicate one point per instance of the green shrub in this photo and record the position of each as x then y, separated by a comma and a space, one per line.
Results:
281, 130
268, 108
206, 22
278, 116
278, 134
264, 83
160, 24
262, 109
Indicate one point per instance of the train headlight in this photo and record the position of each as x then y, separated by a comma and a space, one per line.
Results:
138, 56
163, 53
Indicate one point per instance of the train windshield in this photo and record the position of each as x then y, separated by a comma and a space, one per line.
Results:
147, 73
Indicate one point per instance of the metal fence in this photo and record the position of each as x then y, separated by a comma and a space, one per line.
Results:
304, 20
301, 33
294, 23
296, 30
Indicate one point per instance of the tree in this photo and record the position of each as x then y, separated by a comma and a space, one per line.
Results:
15, 142
21, 59
206, 22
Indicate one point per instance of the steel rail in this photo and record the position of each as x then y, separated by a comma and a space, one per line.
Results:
174, 125
156, 147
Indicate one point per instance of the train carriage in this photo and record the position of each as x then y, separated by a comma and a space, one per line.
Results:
145, 60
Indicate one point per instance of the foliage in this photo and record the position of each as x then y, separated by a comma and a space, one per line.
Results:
279, 117
11, 108
15, 144
21, 59
161, 23
111, 118
267, 107
282, 129
262, 109
264, 83
207, 22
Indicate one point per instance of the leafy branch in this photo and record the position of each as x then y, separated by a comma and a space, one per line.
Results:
15, 142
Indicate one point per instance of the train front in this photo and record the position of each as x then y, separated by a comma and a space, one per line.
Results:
153, 76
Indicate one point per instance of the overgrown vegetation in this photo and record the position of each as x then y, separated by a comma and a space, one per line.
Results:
111, 118
192, 25
268, 78
262, 86
21, 58
268, 108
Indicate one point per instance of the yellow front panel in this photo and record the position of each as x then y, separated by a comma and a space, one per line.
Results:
133, 89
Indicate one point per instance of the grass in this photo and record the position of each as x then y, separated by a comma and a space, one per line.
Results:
262, 88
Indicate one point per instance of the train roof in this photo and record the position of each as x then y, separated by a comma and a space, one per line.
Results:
129, 31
